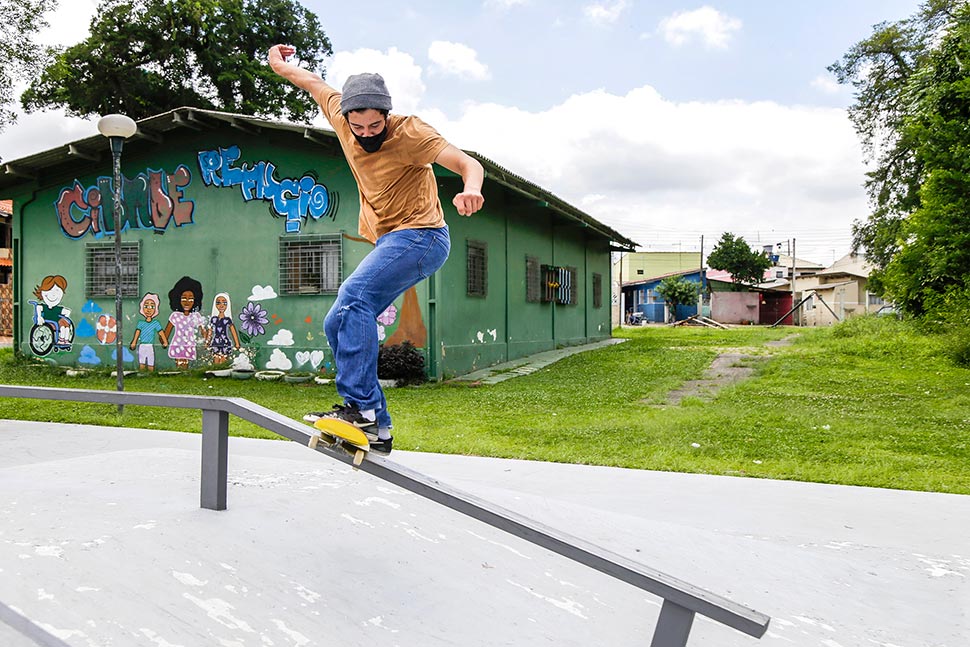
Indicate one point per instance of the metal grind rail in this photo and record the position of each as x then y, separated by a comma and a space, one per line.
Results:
681, 601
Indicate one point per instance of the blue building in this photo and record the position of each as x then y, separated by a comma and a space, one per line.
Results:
642, 297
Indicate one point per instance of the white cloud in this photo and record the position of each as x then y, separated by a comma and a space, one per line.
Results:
279, 361
505, 4
704, 167
827, 84
69, 24
605, 13
713, 28
283, 337
261, 293
458, 60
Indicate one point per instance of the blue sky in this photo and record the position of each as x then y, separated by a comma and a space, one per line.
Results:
667, 120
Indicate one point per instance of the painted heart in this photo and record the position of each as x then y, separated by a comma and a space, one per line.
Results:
316, 359
302, 357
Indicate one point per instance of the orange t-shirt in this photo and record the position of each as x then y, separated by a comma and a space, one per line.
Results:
396, 184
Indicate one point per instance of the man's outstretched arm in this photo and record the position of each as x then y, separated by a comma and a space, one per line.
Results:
472, 174
298, 76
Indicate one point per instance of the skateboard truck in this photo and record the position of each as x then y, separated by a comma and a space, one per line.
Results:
337, 433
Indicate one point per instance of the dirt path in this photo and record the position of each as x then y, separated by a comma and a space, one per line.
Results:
730, 366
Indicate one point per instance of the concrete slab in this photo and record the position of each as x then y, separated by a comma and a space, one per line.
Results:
102, 542
526, 365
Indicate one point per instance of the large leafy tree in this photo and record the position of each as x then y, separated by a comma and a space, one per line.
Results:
20, 57
888, 72
148, 56
732, 254
933, 252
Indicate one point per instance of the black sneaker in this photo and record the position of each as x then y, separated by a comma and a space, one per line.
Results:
347, 413
382, 446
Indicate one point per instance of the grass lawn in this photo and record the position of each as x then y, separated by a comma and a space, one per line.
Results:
870, 402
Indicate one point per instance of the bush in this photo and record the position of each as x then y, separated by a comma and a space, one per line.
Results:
402, 362
949, 314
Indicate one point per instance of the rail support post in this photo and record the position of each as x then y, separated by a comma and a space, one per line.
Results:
673, 626
215, 458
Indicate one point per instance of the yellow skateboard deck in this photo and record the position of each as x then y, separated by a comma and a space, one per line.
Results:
339, 433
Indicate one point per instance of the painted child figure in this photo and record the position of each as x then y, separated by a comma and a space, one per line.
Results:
222, 337
50, 292
185, 299
146, 331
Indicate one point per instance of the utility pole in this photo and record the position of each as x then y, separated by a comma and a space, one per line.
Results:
700, 294
796, 318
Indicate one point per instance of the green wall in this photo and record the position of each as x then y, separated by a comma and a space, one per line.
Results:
232, 245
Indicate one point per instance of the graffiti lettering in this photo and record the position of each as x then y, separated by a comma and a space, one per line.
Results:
148, 201
292, 199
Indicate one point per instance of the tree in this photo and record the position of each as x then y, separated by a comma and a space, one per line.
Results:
933, 255
911, 111
145, 57
885, 70
676, 290
733, 255
20, 58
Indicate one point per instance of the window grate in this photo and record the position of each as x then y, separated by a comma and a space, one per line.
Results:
533, 280
100, 278
477, 268
597, 290
560, 285
310, 264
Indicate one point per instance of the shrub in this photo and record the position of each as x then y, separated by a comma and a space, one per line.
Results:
402, 362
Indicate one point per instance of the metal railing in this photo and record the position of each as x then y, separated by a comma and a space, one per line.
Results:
681, 601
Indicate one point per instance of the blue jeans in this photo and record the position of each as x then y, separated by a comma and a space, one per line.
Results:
399, 260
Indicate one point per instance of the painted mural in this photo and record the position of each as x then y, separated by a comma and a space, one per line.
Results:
53, 329
146, 331
221, 337
155, 200
186, 324
292, 199
151, 200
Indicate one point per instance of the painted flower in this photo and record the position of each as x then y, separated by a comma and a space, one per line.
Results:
381, 334
389, 316
253, 319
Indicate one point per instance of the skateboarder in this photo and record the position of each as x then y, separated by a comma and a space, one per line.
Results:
390, 156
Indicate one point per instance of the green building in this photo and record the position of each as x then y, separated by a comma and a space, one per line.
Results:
264, 214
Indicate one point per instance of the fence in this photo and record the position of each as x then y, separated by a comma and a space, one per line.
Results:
681, 601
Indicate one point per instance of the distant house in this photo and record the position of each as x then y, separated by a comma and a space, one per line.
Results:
638, 268
843, 287
642, 297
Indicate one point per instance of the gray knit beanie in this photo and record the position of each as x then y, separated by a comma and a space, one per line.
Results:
364, 91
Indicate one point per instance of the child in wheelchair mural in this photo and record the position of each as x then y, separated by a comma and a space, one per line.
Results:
53, 328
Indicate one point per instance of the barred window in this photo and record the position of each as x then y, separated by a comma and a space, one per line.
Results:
100, 278
477, 267
597, 290
533, 280
310, 264
560, 285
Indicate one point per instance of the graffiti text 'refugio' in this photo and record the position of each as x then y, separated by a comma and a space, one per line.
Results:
293, 199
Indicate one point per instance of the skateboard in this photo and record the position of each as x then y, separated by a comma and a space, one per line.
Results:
337, 433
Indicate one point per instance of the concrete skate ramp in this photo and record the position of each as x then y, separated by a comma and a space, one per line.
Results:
681, 601
103, 544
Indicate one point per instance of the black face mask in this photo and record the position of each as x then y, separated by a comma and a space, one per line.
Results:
373, 143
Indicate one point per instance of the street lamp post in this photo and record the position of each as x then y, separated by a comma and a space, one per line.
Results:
117, 128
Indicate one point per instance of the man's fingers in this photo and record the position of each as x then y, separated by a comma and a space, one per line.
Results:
468, 203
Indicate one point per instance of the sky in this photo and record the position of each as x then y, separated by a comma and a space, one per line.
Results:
670, 121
